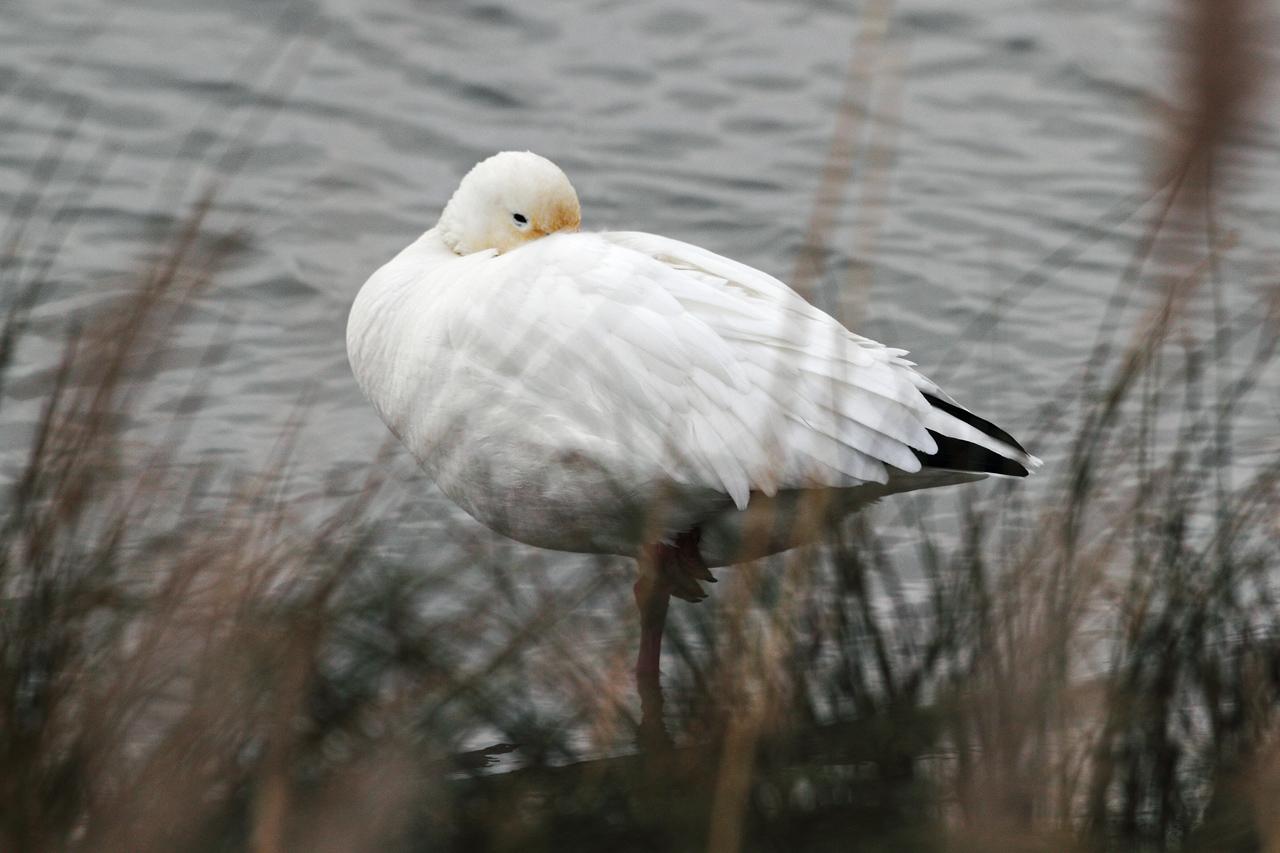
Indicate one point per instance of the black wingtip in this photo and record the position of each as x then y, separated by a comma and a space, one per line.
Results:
981, 424
955, 454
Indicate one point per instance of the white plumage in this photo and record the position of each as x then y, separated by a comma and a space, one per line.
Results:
598, 392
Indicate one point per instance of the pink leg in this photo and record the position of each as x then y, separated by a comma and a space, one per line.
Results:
652, 598
665, 570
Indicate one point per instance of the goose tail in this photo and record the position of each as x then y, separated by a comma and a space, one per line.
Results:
969, 443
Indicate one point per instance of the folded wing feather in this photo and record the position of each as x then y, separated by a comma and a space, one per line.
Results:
721, 374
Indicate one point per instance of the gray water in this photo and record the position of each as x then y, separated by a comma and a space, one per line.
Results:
1022, 138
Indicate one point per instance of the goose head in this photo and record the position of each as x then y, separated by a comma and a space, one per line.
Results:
506, 201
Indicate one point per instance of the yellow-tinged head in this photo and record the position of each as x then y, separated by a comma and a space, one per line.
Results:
506, 201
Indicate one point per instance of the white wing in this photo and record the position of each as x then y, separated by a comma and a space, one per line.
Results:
708, 370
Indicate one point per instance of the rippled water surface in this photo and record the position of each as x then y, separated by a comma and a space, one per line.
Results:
1004, 148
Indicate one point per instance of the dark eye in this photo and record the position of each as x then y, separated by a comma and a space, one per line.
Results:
520, 218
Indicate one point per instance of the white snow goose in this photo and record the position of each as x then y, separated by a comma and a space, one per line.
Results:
626, 393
